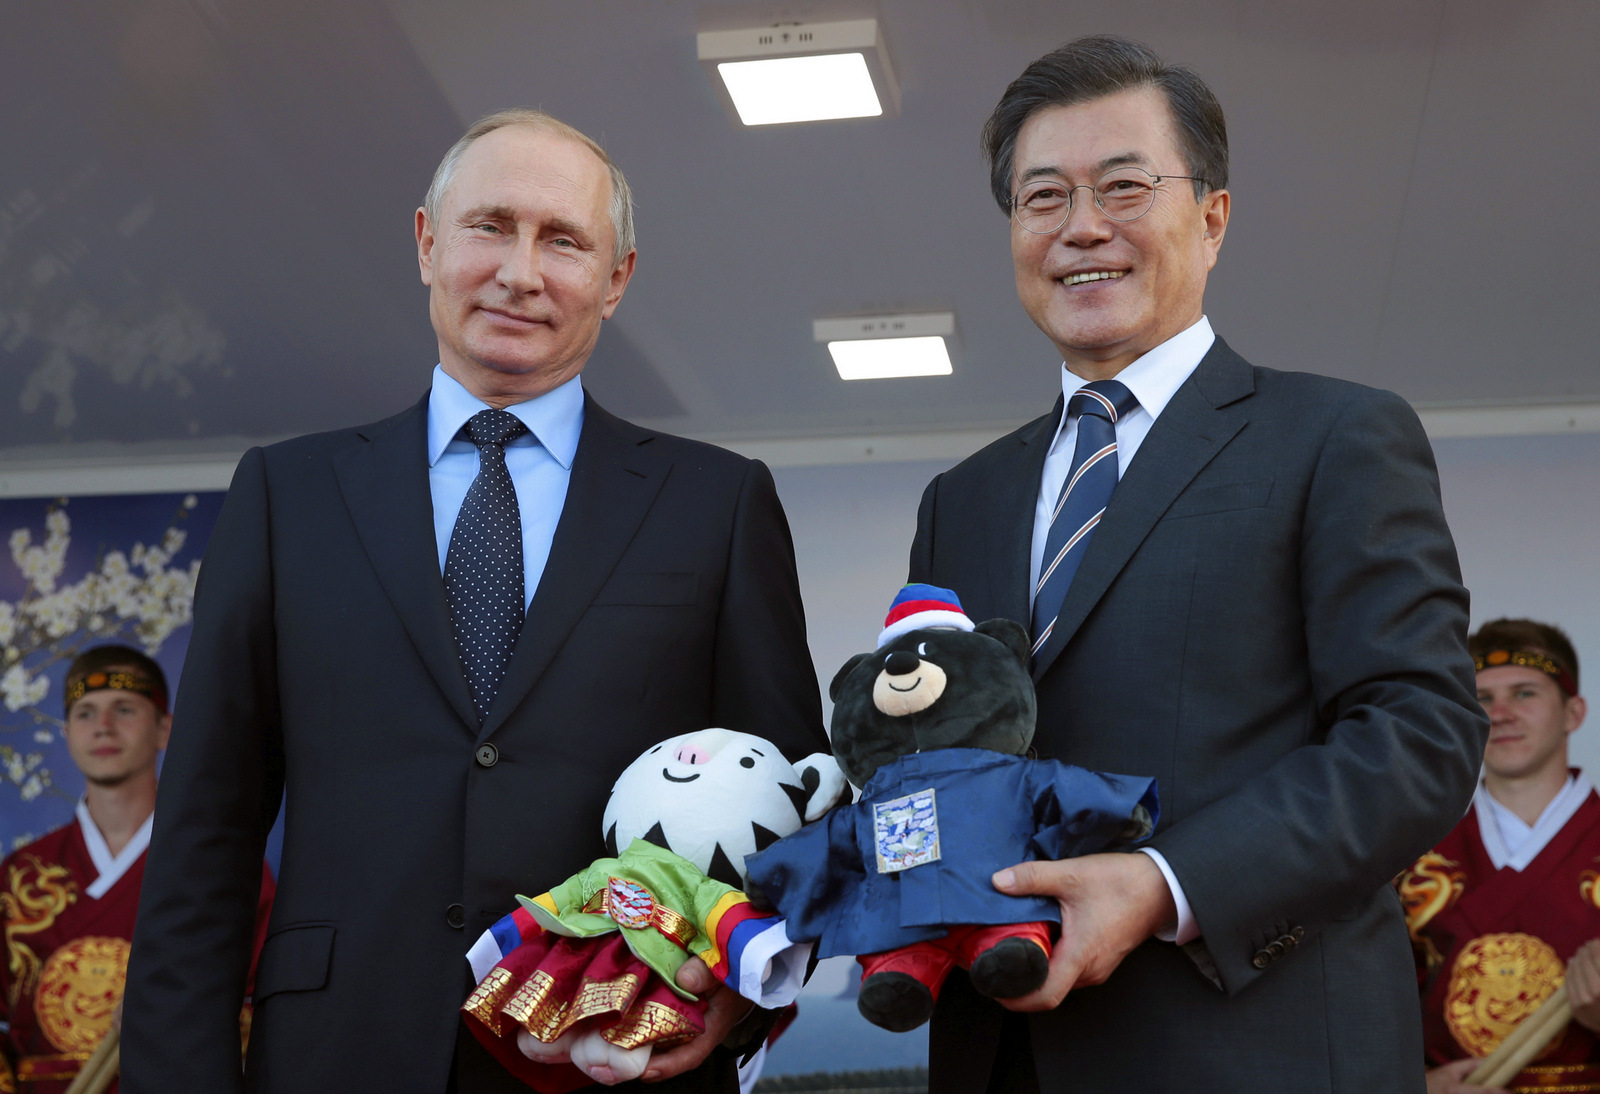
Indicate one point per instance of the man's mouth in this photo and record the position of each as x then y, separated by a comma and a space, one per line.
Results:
1091, 275
511, 316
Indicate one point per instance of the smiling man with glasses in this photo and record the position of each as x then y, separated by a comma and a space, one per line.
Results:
1239, 581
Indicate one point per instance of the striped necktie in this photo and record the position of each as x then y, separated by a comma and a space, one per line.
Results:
1098, 406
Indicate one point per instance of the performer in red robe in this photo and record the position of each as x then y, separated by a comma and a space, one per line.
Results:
1498, 909
67, 900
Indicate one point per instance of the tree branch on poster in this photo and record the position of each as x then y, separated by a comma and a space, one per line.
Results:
135, 597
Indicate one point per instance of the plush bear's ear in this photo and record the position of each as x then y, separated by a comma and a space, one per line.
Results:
1008, 633
838, 679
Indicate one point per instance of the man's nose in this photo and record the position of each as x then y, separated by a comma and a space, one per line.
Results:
1086, 222
523, 268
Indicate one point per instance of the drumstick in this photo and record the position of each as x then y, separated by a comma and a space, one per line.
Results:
1532, 1035
101, 1067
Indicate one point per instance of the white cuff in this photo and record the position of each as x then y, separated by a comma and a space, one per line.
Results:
1185, 929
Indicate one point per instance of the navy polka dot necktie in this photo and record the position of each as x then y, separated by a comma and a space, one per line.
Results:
1098, 406
483, 568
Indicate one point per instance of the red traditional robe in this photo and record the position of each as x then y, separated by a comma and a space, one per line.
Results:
66, 956
1492, 944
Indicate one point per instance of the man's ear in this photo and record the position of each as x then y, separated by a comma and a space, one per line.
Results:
838, 678
425, 247
1009, 634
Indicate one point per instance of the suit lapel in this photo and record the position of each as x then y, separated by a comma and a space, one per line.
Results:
1014, 498
615, 478
385, 487
1195, 425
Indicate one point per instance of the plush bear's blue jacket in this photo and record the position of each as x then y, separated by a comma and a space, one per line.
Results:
994, 811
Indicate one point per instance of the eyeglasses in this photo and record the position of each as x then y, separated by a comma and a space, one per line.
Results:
1043, 205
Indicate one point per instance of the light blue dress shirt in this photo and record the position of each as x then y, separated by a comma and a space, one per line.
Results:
540, 462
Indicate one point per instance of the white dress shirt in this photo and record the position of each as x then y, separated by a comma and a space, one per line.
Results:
540, 462
1153, 379
1513, 842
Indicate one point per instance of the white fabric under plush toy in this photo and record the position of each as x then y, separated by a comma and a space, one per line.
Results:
678, 825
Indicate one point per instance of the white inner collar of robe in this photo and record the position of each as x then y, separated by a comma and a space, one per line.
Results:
111, 867
1512, 842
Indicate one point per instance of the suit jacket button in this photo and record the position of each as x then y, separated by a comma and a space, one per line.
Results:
1275, 949
1289, 941
456, 916
1298, 934
1262, 959
487, 755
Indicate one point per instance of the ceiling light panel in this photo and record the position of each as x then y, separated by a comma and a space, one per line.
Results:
801, 72
888, 346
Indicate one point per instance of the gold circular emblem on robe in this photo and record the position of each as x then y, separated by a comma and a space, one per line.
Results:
79, 987
1496, 982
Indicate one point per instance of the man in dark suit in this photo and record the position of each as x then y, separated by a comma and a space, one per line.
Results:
1240, 582
444, 635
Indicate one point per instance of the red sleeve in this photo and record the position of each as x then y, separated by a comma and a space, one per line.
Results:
269, 889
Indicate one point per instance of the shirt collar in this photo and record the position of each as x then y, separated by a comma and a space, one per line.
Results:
1156, 376
555, 419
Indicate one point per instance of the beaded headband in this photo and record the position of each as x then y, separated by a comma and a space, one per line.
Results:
116, 680
1532, 659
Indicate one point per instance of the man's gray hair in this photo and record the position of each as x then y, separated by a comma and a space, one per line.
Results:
621, 196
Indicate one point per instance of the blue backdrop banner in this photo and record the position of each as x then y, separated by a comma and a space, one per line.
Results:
82, 572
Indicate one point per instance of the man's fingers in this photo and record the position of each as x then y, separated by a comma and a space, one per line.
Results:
694, 977
1040, 878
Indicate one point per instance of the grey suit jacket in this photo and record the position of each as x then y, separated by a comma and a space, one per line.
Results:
1270, 621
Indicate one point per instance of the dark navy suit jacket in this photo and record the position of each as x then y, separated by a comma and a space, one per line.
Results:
323, 665
1270, 620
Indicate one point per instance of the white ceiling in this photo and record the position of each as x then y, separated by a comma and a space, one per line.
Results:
205, 206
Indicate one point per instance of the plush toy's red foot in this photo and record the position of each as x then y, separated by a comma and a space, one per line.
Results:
1007, 960
899, 987
895, 1001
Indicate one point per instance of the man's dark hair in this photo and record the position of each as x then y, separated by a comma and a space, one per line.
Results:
1526, 634
1092, 68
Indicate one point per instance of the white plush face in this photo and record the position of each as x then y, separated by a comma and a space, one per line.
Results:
713, 797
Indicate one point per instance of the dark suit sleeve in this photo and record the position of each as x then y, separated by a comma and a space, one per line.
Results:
1397, 735
220, 788
764, 682
920, 570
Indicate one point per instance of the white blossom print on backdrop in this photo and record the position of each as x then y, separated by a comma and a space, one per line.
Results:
81, 572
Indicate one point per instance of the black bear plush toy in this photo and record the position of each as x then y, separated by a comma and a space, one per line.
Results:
933, 727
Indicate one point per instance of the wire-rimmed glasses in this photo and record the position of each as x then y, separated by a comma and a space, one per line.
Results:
1042, 206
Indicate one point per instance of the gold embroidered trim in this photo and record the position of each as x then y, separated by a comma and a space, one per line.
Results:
536, 1009
652, 1024
115, 680
485, 1001
38, 1069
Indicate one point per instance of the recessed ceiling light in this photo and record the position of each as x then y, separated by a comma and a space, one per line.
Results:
801, 72
888, 346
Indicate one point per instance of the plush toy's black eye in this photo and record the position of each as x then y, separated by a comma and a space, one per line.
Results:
746, 761
922, 649
654, 750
